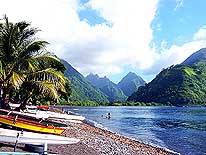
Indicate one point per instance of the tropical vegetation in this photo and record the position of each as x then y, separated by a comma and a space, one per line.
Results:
110, 89
81, 88
28, 72
179, 85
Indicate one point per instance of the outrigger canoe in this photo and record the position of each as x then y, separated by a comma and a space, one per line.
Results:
32, 117
25, 137
30, 125
18, 153
54, 115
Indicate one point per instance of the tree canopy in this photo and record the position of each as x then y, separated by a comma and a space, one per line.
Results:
27, 70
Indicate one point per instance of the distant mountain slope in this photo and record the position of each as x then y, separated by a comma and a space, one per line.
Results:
199, 56
81, 88
179, 85
110, 89
130, 83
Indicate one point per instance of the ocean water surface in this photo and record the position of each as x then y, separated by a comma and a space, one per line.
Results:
181, 129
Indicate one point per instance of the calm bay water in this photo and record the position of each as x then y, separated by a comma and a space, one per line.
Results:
181, 129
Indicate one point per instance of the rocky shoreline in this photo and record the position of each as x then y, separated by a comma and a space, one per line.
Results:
95, 141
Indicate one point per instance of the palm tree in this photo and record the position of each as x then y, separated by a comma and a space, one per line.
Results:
26, 65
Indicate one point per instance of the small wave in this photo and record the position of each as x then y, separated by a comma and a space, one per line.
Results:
95, 124
75, 109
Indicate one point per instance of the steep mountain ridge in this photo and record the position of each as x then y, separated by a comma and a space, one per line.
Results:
179, 85
109, 88
81, 88
130, 83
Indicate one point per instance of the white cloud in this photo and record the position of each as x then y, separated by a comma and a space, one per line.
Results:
101, 48
201, 34
177, 54
179, 4
105, 47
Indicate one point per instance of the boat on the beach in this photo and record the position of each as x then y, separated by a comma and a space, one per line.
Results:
13, 106
32, 117
21, 123
43, 112
44, 107
55, 115
25, 137
17, 153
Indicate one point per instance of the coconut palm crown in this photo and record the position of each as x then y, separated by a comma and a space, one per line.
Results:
26, 65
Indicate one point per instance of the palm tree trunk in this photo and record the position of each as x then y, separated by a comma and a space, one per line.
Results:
5, 99
23, 104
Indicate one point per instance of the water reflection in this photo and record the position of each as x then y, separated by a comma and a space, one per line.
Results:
182, 129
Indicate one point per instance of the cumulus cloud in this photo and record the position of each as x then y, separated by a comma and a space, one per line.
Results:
177, 54
125, 41
201, 34
98, 48
102, 48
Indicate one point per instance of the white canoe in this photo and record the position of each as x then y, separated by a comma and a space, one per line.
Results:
7, 135
50, 114
17, 153
25, 114
32, 111
13, 106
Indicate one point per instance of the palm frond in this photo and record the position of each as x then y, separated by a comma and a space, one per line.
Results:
51, 75
32, 48
47, 88
17, 79
50, 61
25, 63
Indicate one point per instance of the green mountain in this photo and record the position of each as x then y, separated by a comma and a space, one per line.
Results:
81, 89
179, 85
130, 83
109, 88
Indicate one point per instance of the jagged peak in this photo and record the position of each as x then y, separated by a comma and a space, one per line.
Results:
130, 76
92, 75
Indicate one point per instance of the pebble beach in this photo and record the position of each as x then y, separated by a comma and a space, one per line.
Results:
95, 141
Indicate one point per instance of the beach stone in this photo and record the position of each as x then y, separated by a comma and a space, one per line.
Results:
95, 141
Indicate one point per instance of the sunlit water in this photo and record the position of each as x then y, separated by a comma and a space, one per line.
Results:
181, 129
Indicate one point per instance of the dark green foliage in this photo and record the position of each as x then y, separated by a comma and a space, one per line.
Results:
82, 90
109, 88
130, 83
27, 71
113, 93
178, 85
136, 104
81, 103
65, 95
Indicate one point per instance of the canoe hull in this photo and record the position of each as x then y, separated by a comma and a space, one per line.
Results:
54, 115
17, 153
32, 117
34, 138
29, 125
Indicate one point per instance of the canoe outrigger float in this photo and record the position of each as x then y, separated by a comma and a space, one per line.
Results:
30, 125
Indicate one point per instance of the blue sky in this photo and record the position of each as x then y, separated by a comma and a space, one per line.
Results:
175, 23
114, 37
